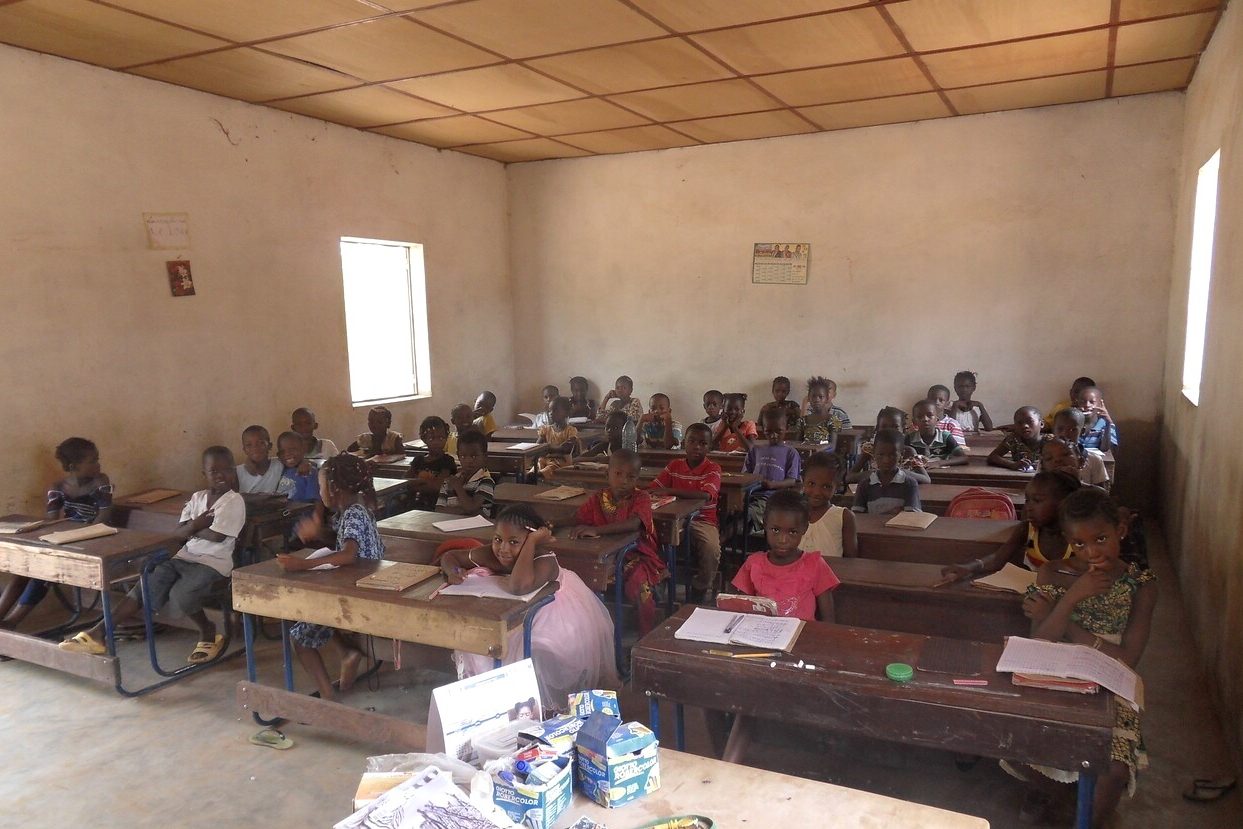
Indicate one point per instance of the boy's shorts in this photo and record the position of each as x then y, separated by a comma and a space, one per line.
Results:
183, 585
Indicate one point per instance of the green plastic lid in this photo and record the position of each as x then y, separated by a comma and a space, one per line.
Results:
899, 672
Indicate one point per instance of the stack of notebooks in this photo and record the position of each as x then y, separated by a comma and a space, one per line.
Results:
1011, 578
1061, 666
911, 520
398, 576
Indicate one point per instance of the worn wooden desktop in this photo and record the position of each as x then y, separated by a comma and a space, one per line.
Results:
847, 691
945, 541
660, 458
268, 517
936, 498
390, 494
737, 795
902, 596
978, 472
529, 434
670, 519
734, 485
501, 458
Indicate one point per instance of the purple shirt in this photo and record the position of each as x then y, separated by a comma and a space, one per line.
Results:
773, 463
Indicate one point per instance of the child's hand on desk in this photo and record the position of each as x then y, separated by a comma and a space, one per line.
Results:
453, 573
291, 563
1037, 607
955, 572
308, 529
582, 531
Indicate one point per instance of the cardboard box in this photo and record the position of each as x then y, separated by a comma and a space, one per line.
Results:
585, 703
556, 733
617, 762
539, 805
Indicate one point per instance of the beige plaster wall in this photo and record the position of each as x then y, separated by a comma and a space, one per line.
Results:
1202, 446
1029, 246
94, 345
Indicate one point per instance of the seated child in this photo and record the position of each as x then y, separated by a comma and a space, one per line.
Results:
301, 473
380, 439
657, 428
1098, 599
1099, 431
1020, 448
461, 421
714, 404
571, 638
794, 412
822, 424
1069, 402
970, 414
210, 523
85, 495
732, 433
936, 446
618, 433
830, 529
888, 489
429, 471
890, 417
622, 508
470, 490
1068, 425
774, 461
621, 396
939, 396
345, 484
580, 404
1056, 455
260, 474
836, 412
561, 436
484, 404
303, 422
549, 394
697, 477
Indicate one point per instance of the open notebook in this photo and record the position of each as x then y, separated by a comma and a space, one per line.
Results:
1034, 660
1010, 578
724, 628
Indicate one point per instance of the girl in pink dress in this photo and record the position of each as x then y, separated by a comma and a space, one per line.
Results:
571, 638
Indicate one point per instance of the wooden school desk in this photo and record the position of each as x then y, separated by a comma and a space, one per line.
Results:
390, 494
735, 486
945, 541
660, 458
266, 516
502, 460
936, 498
977, 472
94, 564
331, 597
847, 691
529, 434
737, 795
899, 595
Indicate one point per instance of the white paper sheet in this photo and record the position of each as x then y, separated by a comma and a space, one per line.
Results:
458, 524
724, 628
320, 553
428, 800
1034, 656
489, 587
518, 447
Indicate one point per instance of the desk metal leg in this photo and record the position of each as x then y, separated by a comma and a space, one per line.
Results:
1083, 808
679, 726
528, 624
671, 557
110, 634
248, 634
287, 654
653, 715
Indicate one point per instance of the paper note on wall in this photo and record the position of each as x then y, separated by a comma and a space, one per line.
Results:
167, 231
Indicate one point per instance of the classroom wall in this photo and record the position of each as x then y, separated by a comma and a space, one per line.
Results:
1029, 246
1202, 446
94, 345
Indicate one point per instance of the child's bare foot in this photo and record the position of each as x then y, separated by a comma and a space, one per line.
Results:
350, 663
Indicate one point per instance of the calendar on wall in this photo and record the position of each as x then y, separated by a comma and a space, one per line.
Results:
780, 263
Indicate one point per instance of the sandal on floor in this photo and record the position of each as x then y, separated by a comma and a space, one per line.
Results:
206, 651
1206, 791
83, 642
271, 738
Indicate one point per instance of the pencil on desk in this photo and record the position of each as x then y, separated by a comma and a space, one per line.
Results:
765, 654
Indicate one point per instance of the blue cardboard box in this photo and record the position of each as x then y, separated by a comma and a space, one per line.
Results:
585, 703
537, 805
557, 733
617, 762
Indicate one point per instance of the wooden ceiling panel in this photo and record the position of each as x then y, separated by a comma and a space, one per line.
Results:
1036, 92
493, 87
247, 74
693, 15
246, 20
743, 127
919, 107
452, 132
841, 37
93, 33
390, 48
1153, 77
634, 66
1175, 37
700, 100
633, 139
586, 115
847, 83
1141, 9
524, 28
532, 149
366, 106
1024, 59
946, 24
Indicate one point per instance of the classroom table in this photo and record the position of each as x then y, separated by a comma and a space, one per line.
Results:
467, 623
529, 434
936, 498
502, 459
847, 691
93, 564
944, 541
978, 472
266, 515
736, 795
735, 486
660, 458
390, 494
902, 596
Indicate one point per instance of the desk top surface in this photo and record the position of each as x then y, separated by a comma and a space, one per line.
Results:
509, 493
942, 529
420, 524
120, 546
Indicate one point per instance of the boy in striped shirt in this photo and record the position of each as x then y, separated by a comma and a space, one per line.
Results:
697, 477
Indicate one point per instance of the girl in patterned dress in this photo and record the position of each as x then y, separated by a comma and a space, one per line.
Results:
344, 484
1097, 599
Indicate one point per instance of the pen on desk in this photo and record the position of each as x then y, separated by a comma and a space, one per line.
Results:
733, 623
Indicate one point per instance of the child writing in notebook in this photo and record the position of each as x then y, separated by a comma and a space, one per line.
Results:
379, 439
580, 404
84, 494
1020, 448
830, 528
561, 436
303, 422
697, 477
888, 488
733, 433
890, 417
657, 428
714, 405
622, 508
571, 638
345, 483
970, 414
484, 404
302, 475
773, 460
429, 471
939, 396
936, 446
1095, 598
260, 473
470, 490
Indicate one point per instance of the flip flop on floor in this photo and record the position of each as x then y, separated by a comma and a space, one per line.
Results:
1206, 791
206, 651
83, 642
271, 738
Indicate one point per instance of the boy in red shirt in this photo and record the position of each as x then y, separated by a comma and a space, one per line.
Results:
697, 477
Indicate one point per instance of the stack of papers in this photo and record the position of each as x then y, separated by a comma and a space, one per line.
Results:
519, 447
911, 520
1011, 577
474, 522
723, 628
398, 576
81, 534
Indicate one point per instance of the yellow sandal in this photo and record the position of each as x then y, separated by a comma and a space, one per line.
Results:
83, 642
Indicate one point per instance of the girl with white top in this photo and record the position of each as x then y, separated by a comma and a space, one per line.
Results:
831, 529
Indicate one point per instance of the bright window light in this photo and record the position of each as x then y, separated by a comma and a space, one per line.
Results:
1200, 276
385, 320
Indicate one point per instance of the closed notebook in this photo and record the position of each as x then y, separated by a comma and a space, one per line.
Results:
398, 576
81, 534
911, 520
1010, 578
561, 493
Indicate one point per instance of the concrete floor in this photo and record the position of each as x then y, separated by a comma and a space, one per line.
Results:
78, 754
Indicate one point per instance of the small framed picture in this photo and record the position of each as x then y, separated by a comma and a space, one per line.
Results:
179, 279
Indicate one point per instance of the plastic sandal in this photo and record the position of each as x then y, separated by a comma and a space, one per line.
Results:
271, 738
82, 642
206, 651
1206, 791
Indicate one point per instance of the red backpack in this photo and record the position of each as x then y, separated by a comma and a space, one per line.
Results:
978, 502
